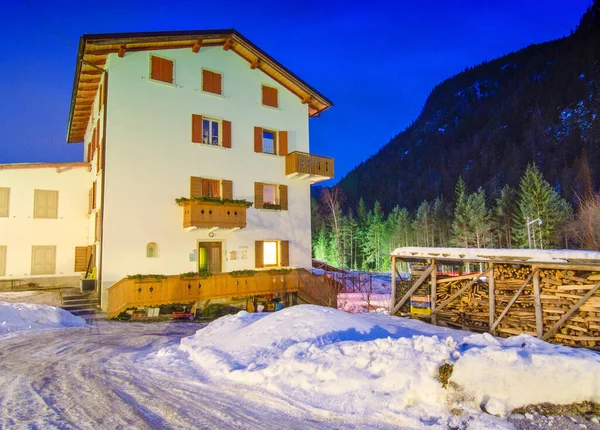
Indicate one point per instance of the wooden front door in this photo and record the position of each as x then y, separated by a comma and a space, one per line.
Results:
209, 257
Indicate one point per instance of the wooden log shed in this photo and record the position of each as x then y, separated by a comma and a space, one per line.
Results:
551, 294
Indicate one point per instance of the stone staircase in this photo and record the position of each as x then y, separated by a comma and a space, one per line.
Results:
78, 303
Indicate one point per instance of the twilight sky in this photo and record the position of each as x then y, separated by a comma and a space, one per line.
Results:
376, 60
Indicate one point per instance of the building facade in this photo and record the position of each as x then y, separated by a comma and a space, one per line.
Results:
198, 152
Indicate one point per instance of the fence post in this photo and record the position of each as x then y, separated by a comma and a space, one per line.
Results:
393, 298
433, 292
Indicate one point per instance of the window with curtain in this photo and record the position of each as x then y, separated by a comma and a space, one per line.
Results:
210, 132
270, 194
270, 253
211, 188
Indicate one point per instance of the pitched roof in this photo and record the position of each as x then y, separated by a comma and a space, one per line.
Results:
94, 48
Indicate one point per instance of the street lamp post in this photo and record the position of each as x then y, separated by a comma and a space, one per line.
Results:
529, 228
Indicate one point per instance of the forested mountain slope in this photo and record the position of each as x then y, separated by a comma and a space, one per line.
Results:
486, 124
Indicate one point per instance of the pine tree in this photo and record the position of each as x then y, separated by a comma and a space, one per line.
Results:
538, 200
423, 225
503, 216
320, 244
460, 224
478, 219
374, 238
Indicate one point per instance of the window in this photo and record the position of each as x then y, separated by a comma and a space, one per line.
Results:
211, 188
45, 204
210, 131
270, 196
268, 142
161, 69
219, 188
269, 96
212, 82
2, 260
152, 250
4, 201
43, 260
84, 258
272, 253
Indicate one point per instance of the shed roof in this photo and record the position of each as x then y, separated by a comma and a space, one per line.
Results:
94, 49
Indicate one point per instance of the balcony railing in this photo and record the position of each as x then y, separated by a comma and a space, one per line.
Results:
307, 166
209, 215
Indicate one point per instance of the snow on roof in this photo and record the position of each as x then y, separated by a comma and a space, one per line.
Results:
504, 255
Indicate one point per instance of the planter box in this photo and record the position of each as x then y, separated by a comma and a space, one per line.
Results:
87, 285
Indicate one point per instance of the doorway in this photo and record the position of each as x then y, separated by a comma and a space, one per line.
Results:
209, 257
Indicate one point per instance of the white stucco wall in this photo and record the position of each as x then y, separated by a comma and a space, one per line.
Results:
20, 231
150, 158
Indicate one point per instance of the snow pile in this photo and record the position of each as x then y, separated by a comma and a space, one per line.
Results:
504, 374
28, 316
387, 367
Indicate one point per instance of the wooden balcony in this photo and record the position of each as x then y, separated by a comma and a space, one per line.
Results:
304, 166
132, 293
198, 214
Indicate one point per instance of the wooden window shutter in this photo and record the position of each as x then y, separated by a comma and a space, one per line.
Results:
97, 228
195, 186
227, 189
2, 260
100, 97
283, 143
196, 128
81, 258
226, 134
43, 260
167, 70
258, 254
94, 195
284, 250
283, 197
269, 96
258, 139
161, 69
90, 204
50, 259
206, 80
4, 201
258, 195
51, 204
217, 83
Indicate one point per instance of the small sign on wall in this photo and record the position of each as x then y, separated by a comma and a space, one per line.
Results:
243, 252
233, 255
193, 256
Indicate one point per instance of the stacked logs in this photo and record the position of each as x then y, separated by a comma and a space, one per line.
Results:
560, 290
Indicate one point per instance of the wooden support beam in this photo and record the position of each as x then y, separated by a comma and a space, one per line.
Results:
255, 63
539, 318
512, 301
410, 292
457, 278
433, 293
459, 292
393, 298
228, 43
306, 100
492, 297
570, 313
197, 46
122, 50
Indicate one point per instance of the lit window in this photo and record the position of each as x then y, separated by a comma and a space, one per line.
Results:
270, 253
211, 188
270, 194
210, 132
152, 250
268, 143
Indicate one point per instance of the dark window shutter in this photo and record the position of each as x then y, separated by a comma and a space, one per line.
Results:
269, 96
227, 189
283, 143
167, 70
258, 195
258, 254
226, 134
195, 186
94, 195
283, 197
97, 230
196, 128
258, 139
284, 249
155, 68
81, 256
90, 201
161, 69
206, 84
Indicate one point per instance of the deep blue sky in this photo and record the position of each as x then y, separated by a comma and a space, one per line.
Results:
377, 61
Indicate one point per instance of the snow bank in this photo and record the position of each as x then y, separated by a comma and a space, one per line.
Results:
27, 316
522, 370
386, 367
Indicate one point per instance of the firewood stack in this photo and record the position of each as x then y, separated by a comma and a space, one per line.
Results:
560, 291
521, 316
468, 311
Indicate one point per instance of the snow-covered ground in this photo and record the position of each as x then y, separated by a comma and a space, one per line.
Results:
27, 316
303, 367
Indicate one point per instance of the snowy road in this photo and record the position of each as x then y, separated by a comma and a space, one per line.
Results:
91, 379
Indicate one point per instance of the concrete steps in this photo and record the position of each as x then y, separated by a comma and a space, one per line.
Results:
79, 303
